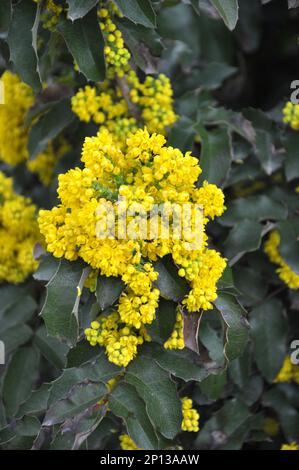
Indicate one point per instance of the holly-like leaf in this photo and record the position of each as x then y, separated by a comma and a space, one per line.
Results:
5, 17
19, 378
21, 42
49, 126
236, 325
80, 397
155, 387
85, 42
51, 348
138, 11
108, 290
269, 341
79, 8
125, 402
58, 310
245, 237
170, 285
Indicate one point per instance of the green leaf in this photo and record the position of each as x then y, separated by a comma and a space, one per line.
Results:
18, 313
169, 283
15, 336
125, 402
245, 237
236, 325
162, 327
79, 8
84, 40
144, 44
288, 415
155, 387
101, 369
182, 134
36, 403
19, 378
183, 364
5, 17
289, 243
291, 164
269, 339
266, 151
49, 126
228, 10
217, 431
108, 290
58, 311
47, 268
216, 157
214, 73
213, 385
28, 426
80, 397
138, 11
22, 44
52, 349
258, 208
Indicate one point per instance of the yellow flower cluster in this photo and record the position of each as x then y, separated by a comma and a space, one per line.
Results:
116, 54
176, 340
14, 133
51, 14
291, 446
190, 416
119, 341
291, 115
118, 181
127, 443
106, 106
284, 271
288, 372
18, 234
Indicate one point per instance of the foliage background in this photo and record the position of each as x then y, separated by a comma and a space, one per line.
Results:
231, 77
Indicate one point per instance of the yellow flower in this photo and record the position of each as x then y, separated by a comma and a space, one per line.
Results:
176, 340
291, 115
127, 443
190, 416
290, 278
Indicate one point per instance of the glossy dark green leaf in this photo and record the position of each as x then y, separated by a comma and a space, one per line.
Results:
217, 431
79, 8
58, 311
108, 290
138, 11
269, 341
47, 268
216, 156
245, 237
19, 379
162, 327
291, 164
51, 348
85, 42
49, 126
289, 243
258, 208
80, 397
170, 285
125, 402
21, 42
155, 387
15, 336
237, 327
